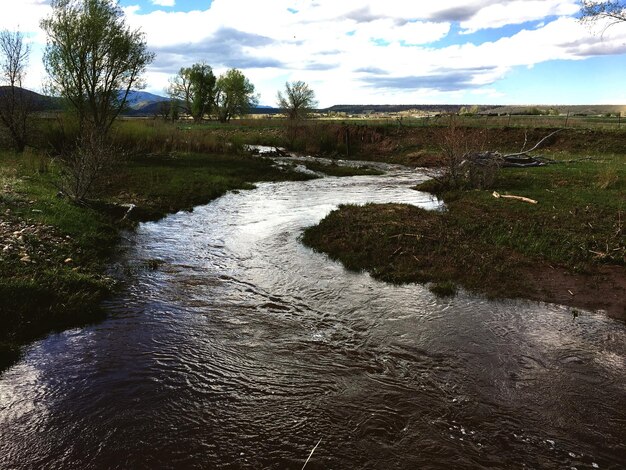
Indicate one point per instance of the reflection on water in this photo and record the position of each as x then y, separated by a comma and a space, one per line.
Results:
245, 348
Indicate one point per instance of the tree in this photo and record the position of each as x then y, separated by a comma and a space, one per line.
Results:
613, 10
234, 95
195, 87
15, 102
93, 59
298, 100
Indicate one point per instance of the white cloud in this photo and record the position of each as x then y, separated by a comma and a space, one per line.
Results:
373, 51
24, 15
517, 12
164, 3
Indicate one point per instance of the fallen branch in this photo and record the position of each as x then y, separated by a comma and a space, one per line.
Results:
537, 145
510, 196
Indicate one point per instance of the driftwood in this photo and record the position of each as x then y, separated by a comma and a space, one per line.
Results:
510, 196
536, 146
521, 159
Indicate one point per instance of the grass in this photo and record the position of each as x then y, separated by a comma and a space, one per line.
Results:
493, 246
52, 260
52, 270
162, 184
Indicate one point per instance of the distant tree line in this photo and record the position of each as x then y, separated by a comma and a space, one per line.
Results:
196, 92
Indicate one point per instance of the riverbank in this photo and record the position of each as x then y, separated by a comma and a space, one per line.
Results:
569, 248
54, 254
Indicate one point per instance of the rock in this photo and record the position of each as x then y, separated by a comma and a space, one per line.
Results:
68, 260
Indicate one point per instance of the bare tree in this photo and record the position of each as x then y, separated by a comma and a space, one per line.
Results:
15, 102
298, 100
87, 165
614, 11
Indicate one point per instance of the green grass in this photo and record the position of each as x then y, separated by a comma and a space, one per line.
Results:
489, 245
61, 282
162, 184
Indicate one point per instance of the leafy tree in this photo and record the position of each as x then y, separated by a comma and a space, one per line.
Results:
195, 87
613, 10
234, 95
93, 59
15, 102
298, 100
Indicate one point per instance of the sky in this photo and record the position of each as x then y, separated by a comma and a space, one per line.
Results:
373, 51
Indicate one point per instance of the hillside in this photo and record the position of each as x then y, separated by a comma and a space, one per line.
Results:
39, 102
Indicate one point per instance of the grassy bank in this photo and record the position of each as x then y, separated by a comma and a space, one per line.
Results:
569, 248
53, 253
416, 146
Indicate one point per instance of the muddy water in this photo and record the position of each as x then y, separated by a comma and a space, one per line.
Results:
244, 349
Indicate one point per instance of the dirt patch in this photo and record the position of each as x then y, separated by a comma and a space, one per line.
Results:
604, 288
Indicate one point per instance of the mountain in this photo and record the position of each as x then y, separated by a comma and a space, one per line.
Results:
392, 108
39, 102
155, 108
139, 99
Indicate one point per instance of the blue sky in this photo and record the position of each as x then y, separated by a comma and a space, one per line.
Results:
377, 52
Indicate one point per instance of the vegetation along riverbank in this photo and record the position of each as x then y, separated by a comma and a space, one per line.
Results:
564, 244
568, 248
54, 251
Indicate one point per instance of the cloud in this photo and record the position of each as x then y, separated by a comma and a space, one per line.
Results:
356, 50
320, 66
25, 16
501, 14
450, 80
371, 71
164, 3
362, 15
226, 47
456, 13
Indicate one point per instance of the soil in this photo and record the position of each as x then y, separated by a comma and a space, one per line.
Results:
604, 288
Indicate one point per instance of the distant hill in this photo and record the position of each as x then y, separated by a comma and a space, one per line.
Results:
394, 108
155, 108
142, 103
140, 99
39, 102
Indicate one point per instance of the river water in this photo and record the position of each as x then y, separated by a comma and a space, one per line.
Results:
245, 349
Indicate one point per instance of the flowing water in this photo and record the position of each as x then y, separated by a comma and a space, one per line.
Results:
245, 349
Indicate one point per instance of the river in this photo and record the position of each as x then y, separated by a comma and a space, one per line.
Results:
246, 349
